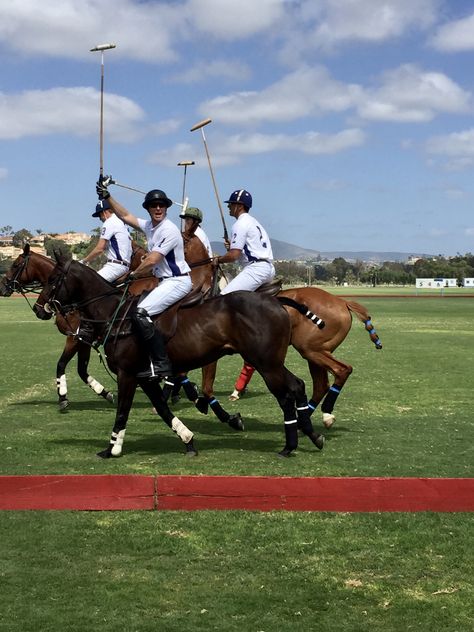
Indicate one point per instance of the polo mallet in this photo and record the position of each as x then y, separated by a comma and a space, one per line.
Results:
183, 204
185, 164
200, 126
101, 48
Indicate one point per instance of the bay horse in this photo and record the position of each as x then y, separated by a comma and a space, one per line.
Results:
242, 322
316, 345
31, 268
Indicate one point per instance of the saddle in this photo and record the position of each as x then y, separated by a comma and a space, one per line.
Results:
270, 289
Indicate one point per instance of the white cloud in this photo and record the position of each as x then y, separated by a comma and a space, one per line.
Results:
230, 149
301, 93
469, 232
455, 36
68, 29
410, 94
3, 173
231, 70
235, 19
68, 111
331, 22
457, 144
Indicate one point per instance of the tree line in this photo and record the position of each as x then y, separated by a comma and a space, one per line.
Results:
336, 272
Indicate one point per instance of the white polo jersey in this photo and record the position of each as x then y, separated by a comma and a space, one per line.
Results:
249, 236
119, 241
166, 239
201, 235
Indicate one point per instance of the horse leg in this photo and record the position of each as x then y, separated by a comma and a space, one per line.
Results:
69, 351
208, 399
172, 386
341, 372
155, 394
83, 357
303, 412
319, 376
282, 384
127, 385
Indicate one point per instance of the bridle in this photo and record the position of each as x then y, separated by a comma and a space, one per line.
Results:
13, 284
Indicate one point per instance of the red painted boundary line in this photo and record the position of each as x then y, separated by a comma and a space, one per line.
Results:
255, 493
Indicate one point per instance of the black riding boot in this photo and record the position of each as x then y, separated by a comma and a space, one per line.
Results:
160, 365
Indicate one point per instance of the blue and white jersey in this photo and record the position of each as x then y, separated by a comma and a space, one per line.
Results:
120, 243
249, 236
166, 239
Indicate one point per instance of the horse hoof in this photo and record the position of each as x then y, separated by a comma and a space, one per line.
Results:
202, 404
105, 454
234, 396
63, 406
110, 397
190, 449
328, 419
318, 440
285, 453
235, 422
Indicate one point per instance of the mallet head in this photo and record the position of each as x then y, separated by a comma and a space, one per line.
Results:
186, 163
200, 124
101, 47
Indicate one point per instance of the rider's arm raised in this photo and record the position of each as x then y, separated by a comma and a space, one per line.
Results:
123, 213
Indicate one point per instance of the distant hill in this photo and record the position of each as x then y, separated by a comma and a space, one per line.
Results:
290, 252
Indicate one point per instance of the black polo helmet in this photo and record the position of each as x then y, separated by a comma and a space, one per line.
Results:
156, 195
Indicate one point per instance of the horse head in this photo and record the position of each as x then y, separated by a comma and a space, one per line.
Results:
55, 292
17, 275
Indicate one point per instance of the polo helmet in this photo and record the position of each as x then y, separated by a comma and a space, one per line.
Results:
193, 213
156, 195
102, 205
240, 196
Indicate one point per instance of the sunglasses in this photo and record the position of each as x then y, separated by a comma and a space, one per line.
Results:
157, 205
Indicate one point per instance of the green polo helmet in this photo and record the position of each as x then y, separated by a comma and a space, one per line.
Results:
193, 213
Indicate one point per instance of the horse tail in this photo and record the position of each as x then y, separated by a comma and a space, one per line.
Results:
363, 315
302, 309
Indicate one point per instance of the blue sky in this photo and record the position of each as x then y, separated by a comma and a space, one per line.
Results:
349, 121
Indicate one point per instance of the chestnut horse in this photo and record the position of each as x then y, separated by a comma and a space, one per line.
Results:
316, 345
242, 322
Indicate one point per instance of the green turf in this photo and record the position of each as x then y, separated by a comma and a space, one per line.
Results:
406, 411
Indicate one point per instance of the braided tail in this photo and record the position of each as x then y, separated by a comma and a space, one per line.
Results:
363, 315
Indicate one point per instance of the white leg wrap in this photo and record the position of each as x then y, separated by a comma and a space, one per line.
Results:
61, 385
183, 433
95, 385
328, 419
117, 442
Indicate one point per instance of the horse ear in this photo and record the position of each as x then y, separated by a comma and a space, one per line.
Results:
26, 248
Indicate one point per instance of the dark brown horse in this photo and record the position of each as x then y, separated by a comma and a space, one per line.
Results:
31, 268
199, 334
316, 345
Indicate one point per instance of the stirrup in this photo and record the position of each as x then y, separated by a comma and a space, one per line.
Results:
156, 371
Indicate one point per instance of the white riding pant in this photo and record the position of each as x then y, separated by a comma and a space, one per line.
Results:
167, 292
251, 277
112, 271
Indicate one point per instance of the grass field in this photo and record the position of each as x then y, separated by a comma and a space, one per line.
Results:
405, 411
